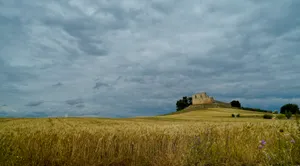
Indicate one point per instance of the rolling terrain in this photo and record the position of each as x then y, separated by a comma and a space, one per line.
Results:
194, 136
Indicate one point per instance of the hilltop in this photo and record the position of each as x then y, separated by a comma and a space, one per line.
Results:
200, 100
218, 111
198, 112
201, 106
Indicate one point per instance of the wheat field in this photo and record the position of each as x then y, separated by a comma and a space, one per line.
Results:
191, 138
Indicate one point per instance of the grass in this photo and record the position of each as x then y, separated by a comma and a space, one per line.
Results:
198, 137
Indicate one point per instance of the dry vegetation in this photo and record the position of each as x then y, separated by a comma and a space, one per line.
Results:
191, 138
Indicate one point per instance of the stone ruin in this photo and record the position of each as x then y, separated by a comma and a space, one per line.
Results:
202, 98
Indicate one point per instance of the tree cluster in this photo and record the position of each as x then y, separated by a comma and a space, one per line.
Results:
293, 108
235, 103
183, 103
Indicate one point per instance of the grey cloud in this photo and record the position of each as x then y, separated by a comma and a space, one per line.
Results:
77, 29
58, 84
74, 101
80, 106
93, 49
100, 84
34, 103
12, 74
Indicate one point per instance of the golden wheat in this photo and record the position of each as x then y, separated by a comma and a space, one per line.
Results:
92, 141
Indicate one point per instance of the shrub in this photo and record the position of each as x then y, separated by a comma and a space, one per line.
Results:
280, 116
275, 112
268, 116
233, 115
238, 115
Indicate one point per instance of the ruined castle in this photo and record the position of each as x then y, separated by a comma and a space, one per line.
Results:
202, 98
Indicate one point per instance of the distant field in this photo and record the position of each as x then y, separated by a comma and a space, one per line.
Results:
193, 137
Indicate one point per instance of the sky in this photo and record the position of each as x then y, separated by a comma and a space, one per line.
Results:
113, 58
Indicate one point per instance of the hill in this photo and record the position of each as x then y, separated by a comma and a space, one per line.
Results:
210, 112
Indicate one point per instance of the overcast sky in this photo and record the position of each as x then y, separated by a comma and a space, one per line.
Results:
115, 58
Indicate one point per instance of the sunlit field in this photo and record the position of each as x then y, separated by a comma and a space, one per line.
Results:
206, 137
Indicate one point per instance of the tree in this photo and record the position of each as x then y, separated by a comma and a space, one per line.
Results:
293, 108
183, 103
185, 100
235, 103
180, 105
190, 101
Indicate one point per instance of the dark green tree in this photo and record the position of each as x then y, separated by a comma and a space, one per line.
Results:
190, 101
293, 108
180, 105
183, 103
235, 103
185, 100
